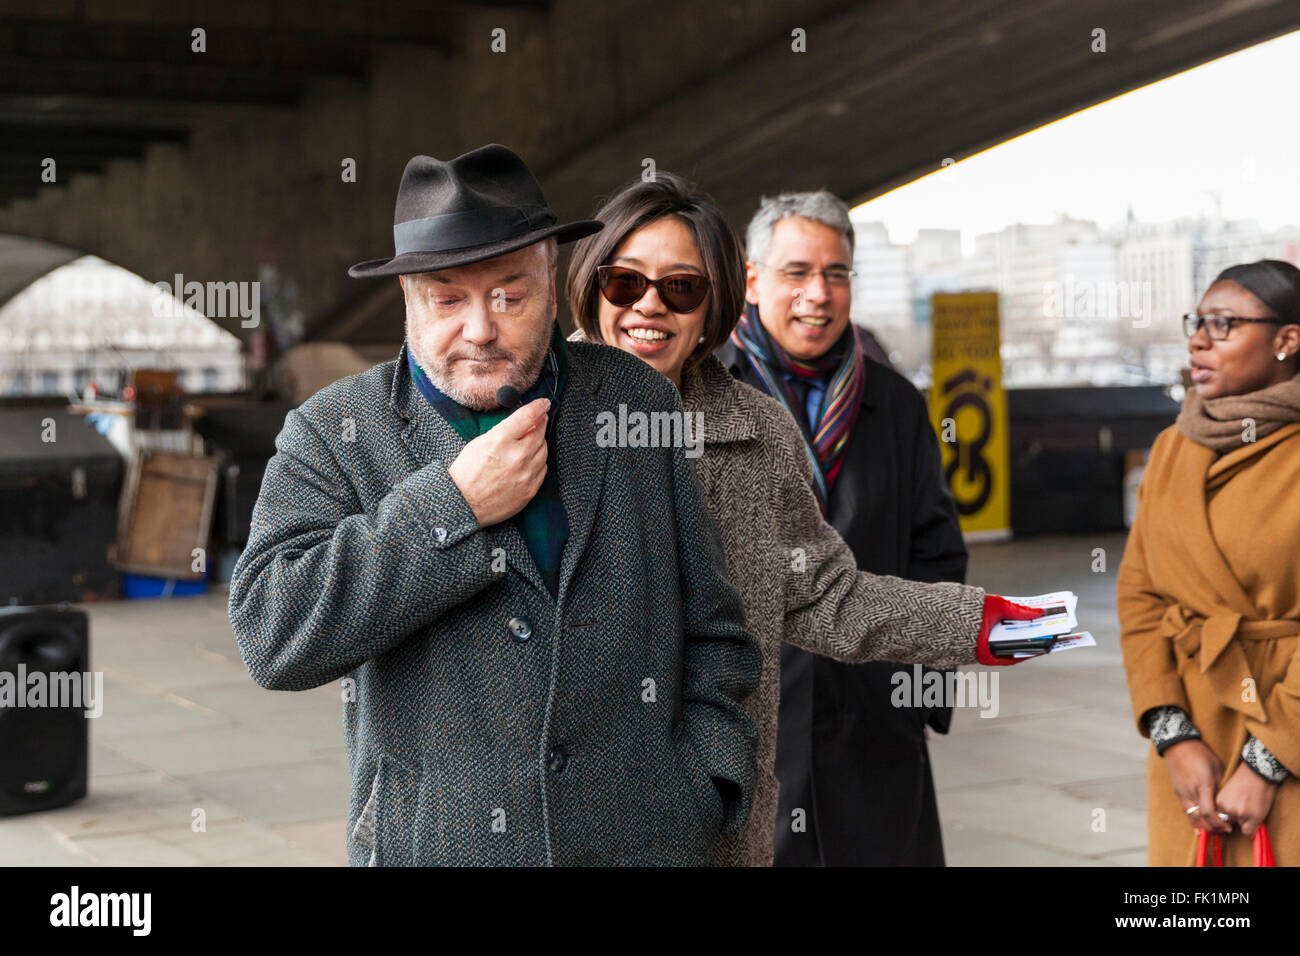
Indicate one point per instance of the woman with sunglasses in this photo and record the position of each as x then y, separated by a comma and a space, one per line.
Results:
665, 281
1209, 588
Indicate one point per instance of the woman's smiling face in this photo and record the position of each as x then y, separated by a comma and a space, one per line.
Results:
648, 328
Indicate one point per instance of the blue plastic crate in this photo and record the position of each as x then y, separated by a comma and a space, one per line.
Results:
146, 586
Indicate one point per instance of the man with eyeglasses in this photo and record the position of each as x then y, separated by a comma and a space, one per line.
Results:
856, 786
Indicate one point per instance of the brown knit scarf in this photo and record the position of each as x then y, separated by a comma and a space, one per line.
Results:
1219, 423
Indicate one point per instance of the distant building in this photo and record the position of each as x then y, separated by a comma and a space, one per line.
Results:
91, 321
1089, 305
882, 290
1079, 305
1026, 262
1219, 244
1162, 261
883, 301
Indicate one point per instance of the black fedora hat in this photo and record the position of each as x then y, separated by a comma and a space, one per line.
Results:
474, 207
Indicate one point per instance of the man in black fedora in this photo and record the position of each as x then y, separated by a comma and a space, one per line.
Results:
540, 658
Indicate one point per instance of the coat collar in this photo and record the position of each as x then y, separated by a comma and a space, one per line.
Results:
424, 431
580, 460
1190, 493
1205, 472
1230, 463
727, 411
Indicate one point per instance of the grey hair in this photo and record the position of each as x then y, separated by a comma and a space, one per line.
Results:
821, 206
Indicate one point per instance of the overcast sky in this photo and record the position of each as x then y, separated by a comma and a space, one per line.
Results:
1230, 127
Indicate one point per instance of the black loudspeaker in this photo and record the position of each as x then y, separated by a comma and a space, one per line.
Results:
58, 509
43, 749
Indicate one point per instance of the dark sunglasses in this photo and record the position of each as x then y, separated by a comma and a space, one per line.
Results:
682, 292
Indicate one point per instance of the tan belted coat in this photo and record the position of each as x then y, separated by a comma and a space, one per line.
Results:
1209, 607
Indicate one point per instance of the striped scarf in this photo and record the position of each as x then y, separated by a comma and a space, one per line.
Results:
841, 369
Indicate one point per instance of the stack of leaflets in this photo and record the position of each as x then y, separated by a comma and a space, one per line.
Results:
1052, 632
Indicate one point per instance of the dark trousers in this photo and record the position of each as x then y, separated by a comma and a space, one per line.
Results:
857, 767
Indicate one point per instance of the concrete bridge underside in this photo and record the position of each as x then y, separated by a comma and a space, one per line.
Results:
213, 163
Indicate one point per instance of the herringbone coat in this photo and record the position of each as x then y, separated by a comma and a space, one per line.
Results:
799, 581
485, 721
845, 754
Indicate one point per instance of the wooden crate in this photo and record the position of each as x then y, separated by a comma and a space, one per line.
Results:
165, 513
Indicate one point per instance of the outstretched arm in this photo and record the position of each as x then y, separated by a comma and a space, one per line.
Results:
836, 610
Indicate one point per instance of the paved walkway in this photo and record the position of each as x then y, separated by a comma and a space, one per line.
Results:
1035, 784
184, 730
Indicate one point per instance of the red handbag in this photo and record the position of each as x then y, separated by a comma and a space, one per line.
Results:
1207, 845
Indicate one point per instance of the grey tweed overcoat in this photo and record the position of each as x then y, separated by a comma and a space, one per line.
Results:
799, 581
487, 722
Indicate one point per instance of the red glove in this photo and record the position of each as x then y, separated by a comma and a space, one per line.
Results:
1000, 609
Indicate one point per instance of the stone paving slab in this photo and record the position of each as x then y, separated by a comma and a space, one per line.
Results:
978, 847
289, 793
184, 727
1021, 788
1045, 817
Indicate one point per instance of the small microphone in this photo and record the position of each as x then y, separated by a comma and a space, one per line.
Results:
508, 396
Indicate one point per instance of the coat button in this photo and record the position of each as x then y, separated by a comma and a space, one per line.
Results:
520, 629
557, 759
439, 534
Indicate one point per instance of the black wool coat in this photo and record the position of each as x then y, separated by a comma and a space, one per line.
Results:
856, 765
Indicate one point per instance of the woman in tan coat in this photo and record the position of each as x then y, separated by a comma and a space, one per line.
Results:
664, 280
1209, 588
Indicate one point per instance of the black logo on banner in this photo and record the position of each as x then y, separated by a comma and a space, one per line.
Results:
969, 456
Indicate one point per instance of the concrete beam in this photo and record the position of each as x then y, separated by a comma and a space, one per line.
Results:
886, 91
883, 95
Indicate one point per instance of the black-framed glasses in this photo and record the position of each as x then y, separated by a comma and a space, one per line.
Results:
1217, 327
682, 292
834, 275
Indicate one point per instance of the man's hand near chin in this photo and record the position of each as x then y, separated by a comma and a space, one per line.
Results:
501, 470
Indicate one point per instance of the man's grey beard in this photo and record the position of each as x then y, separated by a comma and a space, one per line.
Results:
520, 374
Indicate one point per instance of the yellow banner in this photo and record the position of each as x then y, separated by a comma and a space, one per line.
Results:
968, 408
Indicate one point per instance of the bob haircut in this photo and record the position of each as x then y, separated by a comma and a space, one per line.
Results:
639, 204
